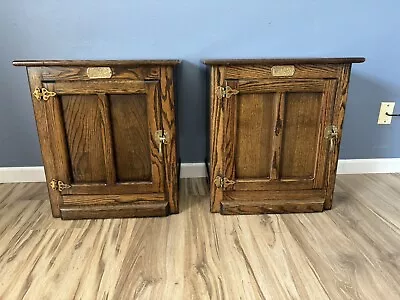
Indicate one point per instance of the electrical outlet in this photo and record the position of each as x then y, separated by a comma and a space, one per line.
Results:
386, 107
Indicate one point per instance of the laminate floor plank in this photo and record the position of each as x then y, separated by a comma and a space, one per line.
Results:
349, 252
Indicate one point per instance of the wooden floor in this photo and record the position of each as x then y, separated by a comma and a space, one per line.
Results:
350, 252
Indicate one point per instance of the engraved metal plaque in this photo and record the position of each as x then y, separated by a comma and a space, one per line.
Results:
283, 71
99, 72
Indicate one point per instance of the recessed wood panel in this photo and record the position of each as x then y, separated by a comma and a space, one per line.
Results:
83, 127
254, 128
131, 137
300, 135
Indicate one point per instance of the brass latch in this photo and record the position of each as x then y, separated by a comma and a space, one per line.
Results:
161, 138
58, 185
43, 94
225, 92
331, 133
223, 182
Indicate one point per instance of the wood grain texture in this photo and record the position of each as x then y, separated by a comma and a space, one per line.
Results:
264, 71
338, 118
83, 123
283, 61
289, 205
42, 125
56, 130
253, 143
107, 138
110, 199
93, 188
135, 209
302, 129
216, 135
277, 136
109, 86
71, 73
155, 123
230, 108
131, 133
198, 255
168, 115
281, 85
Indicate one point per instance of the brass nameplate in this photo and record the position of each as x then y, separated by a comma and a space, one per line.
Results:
283, 71
99, 72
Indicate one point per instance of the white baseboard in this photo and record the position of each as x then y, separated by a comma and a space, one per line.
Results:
192, 170
22, 174
364, 166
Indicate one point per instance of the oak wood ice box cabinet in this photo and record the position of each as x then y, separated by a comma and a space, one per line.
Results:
275, 131
108, 136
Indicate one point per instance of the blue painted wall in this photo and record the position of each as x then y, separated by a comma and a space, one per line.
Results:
192, 30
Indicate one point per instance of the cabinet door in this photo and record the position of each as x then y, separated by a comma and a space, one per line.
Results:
103, 135
274, 137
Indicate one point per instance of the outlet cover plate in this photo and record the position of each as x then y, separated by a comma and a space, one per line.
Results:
386, 107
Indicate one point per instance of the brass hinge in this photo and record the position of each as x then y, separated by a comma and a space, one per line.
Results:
161, 138
331, 134
43, 94
223, 182
58, 185
225, 92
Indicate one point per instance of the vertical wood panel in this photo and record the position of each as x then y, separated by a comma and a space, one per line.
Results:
129, 118
169, 127
45, 139
83, 125
338, 118
326, 120
104, 107
230, 124
254, 135
216, 135
58, 139
279, 118
155, 123
300, 136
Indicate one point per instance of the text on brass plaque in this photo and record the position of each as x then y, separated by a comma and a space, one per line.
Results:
99, 72
283, 70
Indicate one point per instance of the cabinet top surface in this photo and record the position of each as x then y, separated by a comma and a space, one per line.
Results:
283, 61
94, 63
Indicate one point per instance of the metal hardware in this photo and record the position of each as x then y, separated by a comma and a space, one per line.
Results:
283, 71
161, 138
225, 92
331, 133
58, 185
223, 182
43, 94
99, 72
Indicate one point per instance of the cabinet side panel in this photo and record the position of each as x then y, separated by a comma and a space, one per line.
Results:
131, 137
300, 135
39, 108
338, 117
83, 125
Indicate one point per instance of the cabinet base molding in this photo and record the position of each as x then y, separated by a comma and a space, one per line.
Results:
271, 207
136, 209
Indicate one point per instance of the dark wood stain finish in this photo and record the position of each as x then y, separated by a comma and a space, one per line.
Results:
268, 140
98, 135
